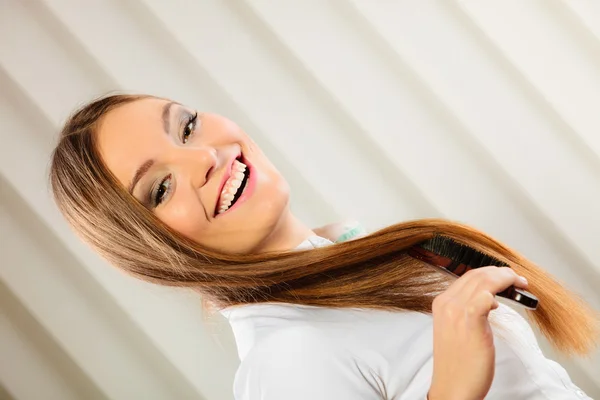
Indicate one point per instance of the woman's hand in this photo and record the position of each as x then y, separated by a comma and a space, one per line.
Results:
463, 342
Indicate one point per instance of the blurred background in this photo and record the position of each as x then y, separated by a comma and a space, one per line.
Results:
482, 111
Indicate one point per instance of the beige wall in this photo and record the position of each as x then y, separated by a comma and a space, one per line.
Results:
483, 111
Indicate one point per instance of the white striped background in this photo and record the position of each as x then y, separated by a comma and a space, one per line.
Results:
482, 111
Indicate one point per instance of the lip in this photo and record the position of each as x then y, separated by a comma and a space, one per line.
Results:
247, 192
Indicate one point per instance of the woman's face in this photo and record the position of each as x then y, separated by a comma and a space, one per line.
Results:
199, 173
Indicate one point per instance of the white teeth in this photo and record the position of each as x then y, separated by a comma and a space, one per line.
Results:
238, 167
231, 186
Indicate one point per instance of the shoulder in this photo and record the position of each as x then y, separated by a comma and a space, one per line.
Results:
341, 231
298, 343
302, 363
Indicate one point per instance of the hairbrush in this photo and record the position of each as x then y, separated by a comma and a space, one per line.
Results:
457, 259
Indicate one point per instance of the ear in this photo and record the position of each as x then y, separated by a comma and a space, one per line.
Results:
341, 231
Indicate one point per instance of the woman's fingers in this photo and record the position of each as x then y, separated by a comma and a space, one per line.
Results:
477, 284
491, 279
479, 306
462, 334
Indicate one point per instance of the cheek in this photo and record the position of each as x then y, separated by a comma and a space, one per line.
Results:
186, 216
273, 193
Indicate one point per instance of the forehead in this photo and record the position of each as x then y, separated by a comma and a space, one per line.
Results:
128, 136
132, 118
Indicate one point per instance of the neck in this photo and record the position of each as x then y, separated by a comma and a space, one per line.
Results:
288, 233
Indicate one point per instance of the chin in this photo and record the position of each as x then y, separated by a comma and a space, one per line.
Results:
274, 199
270, 220
275, 212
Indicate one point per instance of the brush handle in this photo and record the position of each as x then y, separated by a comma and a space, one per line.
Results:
457, 269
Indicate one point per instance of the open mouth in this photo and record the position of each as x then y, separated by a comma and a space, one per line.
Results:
234, 186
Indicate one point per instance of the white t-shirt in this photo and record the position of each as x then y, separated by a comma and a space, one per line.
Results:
298, 352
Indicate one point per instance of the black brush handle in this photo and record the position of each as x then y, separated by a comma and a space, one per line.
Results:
519, 296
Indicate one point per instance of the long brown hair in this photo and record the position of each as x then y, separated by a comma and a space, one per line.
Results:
370, 272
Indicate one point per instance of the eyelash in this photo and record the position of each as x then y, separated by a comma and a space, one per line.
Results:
187, 130
159, 194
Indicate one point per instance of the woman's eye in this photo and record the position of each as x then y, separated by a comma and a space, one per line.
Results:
189, 128
161, 191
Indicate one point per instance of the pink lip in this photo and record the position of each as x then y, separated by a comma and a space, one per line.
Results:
247, 192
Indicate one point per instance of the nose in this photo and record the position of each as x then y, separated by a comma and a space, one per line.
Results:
198, 164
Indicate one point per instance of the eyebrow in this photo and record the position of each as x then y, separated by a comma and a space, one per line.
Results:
139, 174
141, 171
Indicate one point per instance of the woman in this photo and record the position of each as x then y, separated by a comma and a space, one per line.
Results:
186, 199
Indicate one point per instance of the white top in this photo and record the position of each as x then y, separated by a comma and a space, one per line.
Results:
298, 352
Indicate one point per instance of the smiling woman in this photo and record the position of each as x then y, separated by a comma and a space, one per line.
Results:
188, 168
181, 198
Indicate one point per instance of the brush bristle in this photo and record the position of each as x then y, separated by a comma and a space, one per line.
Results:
459, 253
